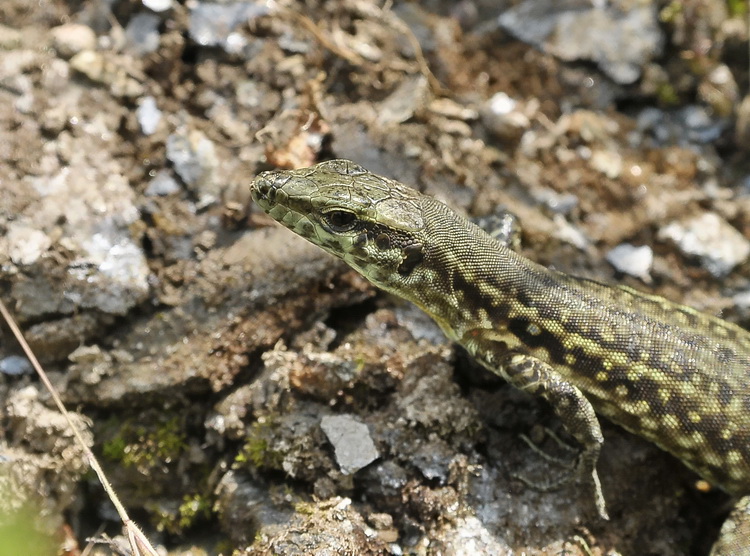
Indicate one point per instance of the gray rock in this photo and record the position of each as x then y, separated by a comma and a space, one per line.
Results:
409, 96
142, 33
717, 244
620, 36
216, 24
163, 184
194, 158
351, 441
15, 365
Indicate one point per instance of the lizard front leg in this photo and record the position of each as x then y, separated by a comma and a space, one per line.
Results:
538, 378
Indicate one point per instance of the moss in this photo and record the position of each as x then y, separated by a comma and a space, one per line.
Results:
737, 8
19, 536
176, 518
257, 451
193, 508
114, 449
145, 446
671, 11
667, 94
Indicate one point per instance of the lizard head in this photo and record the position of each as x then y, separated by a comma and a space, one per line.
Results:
372, 223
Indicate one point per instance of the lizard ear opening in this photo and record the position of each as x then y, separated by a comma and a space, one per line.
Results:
413, 255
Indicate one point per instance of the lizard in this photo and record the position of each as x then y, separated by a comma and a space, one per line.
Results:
666, 372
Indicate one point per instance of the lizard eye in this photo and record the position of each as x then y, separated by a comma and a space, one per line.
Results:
340, 220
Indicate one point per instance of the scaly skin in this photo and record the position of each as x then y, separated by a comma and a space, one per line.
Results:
668, 373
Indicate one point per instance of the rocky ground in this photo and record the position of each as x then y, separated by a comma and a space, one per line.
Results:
248, 394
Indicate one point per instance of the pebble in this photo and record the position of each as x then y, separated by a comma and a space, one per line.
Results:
193, 156
718, 245
401, 105
25, 244
15, 365
71, 38
9, 38
158, 5
163, 184
633, 260
502, 117
352, 444
142, 33
216, 24
148, 115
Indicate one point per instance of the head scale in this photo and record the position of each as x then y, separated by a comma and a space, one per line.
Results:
372, 223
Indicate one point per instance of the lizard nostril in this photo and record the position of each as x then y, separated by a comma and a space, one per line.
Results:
263, 188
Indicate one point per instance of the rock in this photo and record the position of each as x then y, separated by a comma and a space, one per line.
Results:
632, 260
245, 506
148, 115
15, 365
213, 24
410, 96
719, 90
194, 158
110, 70
142, 33
158, 5
38, 441
326, 527
689, 124
620, 36
351, 442
718, 245
608, 162
25, 244
503, 117
71, 38
9, 38
163, 184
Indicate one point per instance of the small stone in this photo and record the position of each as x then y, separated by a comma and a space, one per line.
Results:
91, 64
193, 156
351, 442
719, 90
72, 38
629, 259
718, 245
148, 115
404, 101
25, 244
142, 33
607, 162
216, 24
502, 117
163, 184
158, 5
9, 38
15, 365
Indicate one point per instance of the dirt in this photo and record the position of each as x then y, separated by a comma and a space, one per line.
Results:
201, 345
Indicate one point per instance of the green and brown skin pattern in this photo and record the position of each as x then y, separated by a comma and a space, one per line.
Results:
668, 373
